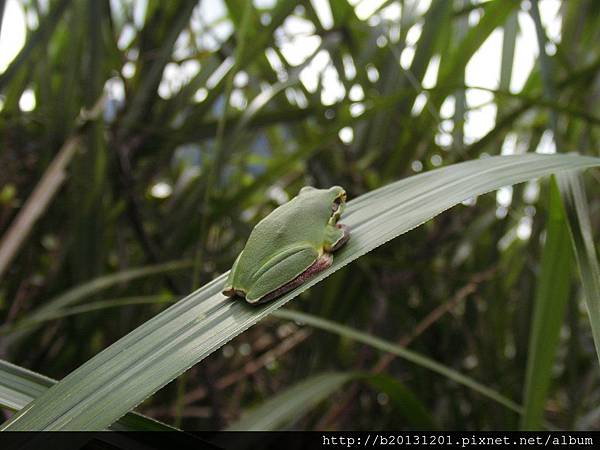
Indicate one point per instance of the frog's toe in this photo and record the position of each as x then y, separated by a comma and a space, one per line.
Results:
230, 291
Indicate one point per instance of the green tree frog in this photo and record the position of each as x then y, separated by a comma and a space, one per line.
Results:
289, 246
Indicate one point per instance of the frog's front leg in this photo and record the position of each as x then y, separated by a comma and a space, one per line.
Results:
335, 237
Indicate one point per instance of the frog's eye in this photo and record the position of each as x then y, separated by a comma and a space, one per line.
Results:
338, 202
341, 198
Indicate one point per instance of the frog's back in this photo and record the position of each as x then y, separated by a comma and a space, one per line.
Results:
299, 222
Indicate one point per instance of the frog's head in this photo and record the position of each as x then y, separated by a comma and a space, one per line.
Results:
334, 196
338, 196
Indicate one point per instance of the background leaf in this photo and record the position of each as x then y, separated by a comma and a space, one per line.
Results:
282, 409
548, 315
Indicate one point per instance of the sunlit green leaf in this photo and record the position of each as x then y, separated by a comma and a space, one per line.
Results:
19, 386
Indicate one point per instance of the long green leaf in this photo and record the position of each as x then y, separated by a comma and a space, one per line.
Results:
401, 352
57, 304
548, 316
405, 402
509, 41
294, 402
573, 195
110, 384
578, 215
102, 304
19, 386
291, 404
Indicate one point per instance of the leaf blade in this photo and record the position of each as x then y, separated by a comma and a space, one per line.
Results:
552, 294
401, 352
19, 386
120, 377
292, 403
578, 215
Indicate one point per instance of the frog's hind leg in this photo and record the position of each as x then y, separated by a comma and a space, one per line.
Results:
322, 263
319, 264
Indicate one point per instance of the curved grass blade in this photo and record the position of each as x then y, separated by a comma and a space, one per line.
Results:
291, 404
408, 405
74, 295
103, 304
296, 401
401, 352
19, 386
120, 377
